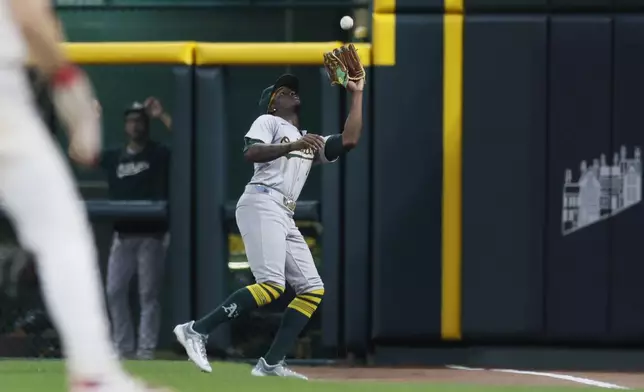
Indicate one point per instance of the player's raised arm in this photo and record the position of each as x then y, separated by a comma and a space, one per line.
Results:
353, 124
72, 93
339, 144
344, 68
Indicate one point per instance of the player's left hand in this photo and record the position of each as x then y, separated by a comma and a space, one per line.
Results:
355, 86
154, 107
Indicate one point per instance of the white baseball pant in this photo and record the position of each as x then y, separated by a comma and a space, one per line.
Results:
41, 200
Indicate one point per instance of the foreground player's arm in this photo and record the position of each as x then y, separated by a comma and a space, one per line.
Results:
336, 145
71, 91
42, 32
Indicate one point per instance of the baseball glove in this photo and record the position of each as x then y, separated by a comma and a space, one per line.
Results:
343, 64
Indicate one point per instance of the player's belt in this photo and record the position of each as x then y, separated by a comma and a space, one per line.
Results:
287, 201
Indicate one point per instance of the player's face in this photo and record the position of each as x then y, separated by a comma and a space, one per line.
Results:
135, 127
286, 99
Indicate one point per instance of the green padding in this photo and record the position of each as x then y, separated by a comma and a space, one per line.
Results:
580, 75
419, 6
504, 104
136, 210
407, 191
505, 5
306, 210
627, 292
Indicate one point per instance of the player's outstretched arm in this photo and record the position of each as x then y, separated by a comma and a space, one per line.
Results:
353, 124
339, 144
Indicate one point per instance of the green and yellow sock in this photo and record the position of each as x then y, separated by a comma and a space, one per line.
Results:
241, 301
295, 318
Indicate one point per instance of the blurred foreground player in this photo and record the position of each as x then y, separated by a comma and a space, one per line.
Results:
40, 197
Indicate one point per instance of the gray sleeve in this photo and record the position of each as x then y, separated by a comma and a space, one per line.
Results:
263, 129
249, 142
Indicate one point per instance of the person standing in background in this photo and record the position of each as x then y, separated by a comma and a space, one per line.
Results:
137, 172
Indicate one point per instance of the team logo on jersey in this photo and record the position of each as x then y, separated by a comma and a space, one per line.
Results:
304, 154
131, 169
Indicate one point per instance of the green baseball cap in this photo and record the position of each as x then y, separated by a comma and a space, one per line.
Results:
286, 80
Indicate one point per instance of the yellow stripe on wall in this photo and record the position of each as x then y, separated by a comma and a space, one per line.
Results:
384, 6
453, 6
384, 39
452, 159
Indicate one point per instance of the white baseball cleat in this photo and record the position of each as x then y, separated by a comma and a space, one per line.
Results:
263, 369
195, 345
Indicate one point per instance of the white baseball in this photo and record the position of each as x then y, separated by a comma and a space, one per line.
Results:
346, 22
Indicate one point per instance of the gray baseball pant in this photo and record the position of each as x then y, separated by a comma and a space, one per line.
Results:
143, 255
276, 249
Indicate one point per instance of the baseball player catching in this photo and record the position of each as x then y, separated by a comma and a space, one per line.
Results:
40, 197
283, 155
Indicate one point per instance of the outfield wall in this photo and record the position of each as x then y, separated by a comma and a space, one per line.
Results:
501, 98
455, 222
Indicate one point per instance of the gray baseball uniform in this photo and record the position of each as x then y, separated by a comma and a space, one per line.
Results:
276, 250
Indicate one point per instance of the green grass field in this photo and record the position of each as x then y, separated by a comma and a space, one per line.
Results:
45, 375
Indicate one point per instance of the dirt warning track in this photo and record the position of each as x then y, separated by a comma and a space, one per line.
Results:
474, 376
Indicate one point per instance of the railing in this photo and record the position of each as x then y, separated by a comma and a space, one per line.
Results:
142, 4
201, 53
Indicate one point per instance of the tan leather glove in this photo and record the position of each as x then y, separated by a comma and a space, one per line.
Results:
343, 65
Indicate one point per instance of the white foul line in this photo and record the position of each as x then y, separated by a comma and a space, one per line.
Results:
579, 380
